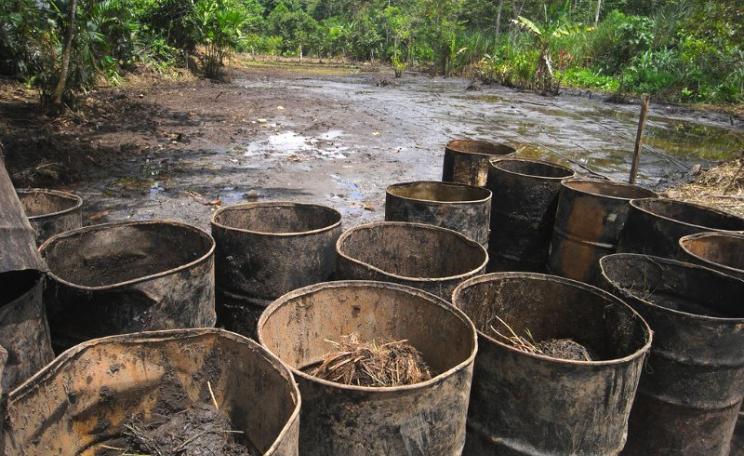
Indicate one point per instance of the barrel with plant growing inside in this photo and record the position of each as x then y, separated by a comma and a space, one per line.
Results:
384, 369
655, 225
127, 277
423, 256
525, 197
267, 249
692, 387
590, 217
466, 161
51, 211
190, 391
557, 368
462, 208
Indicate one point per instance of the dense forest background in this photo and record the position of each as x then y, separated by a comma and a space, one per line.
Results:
679, 50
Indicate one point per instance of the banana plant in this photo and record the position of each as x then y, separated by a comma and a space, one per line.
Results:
544, 38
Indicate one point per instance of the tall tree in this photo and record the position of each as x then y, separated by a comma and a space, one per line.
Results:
64, 69
498, 17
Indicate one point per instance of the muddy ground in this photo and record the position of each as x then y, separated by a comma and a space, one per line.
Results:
336, 135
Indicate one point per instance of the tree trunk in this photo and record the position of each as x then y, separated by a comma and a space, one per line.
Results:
498, 17
596, 16
59, 90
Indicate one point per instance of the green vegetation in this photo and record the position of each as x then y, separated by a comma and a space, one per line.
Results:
680, 50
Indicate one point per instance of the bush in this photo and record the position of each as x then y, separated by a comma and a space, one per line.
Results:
586, 77
618, 40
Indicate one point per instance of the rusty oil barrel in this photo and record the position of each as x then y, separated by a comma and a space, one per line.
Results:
82, 403
426, 418
23, 326
721, 251
655, 225
693, 383
127, 277
531, 404
51, 211
466, 161
459, 207
267, 249
525, 198
3, 395
590, 217
428, 257
24, 331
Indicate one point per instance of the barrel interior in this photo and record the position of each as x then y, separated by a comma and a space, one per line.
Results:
691, 214
550, 309
476, 147
410, 250
112, 254
439, 192
611, 189
150, 376
37, 203
15, 284
292, 218
533, 168
298, 329
674, 285
721, 249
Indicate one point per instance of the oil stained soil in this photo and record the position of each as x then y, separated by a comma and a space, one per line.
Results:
338, 137
198, 431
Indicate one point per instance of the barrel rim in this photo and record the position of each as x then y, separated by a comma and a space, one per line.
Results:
570, 282
331, 227
426, 296
677, 264
209, 253
171, 335
683, 241
453, 143
373, 268
635, 203
67, 195
488, 192
498, 164
567, 183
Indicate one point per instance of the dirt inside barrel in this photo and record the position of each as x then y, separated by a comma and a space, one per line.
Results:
41, 202
198, 430
180, 392
116, 254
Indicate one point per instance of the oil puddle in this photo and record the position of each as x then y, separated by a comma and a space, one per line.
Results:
293, 146
689, 140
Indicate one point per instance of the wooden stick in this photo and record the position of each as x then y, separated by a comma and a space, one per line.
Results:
639, 137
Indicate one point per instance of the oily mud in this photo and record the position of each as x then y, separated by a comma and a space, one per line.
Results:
179, 149
565, 349
197, 431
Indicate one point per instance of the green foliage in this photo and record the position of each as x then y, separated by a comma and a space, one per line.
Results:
588, 78
619, 39
682, 50
218, 24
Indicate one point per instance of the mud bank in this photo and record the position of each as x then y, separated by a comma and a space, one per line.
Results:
180, 149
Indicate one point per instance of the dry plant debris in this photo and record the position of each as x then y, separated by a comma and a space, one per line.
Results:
200, 430
354, 362
721, 187
555, 348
